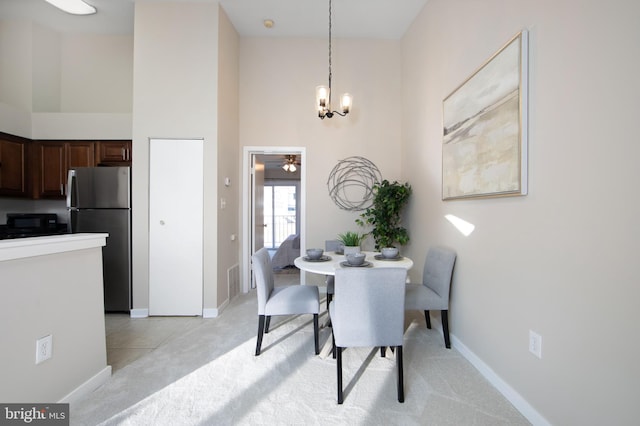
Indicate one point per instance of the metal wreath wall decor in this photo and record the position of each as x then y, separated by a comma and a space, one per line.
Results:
351, 183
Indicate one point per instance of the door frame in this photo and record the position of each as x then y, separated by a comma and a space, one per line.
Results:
247, 203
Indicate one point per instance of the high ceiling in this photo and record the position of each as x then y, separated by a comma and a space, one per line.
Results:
384, 19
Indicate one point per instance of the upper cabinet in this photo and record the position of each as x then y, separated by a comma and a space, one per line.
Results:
113, 153
53, 159
12, 167
39, 169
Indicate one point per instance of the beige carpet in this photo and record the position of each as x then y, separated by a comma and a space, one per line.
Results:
209, 376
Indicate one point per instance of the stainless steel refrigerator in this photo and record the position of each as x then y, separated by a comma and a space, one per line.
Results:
99, 200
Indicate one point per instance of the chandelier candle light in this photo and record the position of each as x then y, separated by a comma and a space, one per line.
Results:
323, 93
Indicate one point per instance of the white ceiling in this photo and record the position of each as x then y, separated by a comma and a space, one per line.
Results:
385, 19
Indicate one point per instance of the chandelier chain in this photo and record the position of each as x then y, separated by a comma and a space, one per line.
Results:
329, 53
323, 93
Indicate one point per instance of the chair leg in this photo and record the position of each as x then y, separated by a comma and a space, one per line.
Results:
445, 328
260, 331
266, 324
329, 299
339, 370
333, 343
315, 333
400, 374
427, 319
383, 351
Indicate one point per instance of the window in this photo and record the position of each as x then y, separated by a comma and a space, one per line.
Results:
280, 214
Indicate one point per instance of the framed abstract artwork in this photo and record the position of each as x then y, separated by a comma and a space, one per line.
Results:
484, 144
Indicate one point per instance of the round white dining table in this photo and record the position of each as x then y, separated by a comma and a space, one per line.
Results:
329, 267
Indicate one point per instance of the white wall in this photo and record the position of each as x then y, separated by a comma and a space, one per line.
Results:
277, 96
562, 260
68, 125
15, 77
16, 51
174, 96
96, 73
228, 160
46, 70
61, 86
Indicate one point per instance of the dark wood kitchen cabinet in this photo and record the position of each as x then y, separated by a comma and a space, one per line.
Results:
12, 167
53, 159
113, 153
39, 168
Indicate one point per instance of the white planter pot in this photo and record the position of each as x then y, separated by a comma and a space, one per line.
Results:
351, 249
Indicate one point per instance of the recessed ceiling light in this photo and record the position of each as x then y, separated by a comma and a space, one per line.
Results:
268, 23
74, 7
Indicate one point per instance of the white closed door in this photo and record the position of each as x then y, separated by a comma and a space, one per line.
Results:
175, 226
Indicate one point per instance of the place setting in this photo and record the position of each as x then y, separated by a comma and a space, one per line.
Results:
388, 254
316, 255
356, 260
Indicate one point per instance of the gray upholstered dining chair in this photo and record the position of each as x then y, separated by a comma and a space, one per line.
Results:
433, 293
369, 311
285, 300
331, 245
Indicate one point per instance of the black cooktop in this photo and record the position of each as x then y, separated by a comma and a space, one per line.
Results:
7, 233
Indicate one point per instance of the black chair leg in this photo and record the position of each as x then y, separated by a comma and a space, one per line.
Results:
445, 328
400, 374
383, 351
266, 324
315, 333
333, 347
339, 370
427, 319
329, 298
260, 331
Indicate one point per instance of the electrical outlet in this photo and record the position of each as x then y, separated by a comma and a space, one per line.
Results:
44, 348
535, 344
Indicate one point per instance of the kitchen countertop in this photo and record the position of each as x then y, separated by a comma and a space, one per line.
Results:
52, 286
20, 248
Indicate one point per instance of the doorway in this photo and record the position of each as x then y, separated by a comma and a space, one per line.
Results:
255, 160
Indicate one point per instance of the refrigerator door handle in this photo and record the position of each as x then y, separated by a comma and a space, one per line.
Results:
71, 188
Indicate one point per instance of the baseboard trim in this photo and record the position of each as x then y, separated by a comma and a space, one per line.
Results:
210, 313
503, 387
214, 312
89, 386
139, 313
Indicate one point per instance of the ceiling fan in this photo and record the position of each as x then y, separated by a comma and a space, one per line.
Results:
291, 163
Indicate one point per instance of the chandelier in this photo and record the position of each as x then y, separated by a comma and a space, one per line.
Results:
290, 164
323, 93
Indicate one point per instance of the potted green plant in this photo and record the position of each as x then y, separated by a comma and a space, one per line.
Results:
351, 241
384, 214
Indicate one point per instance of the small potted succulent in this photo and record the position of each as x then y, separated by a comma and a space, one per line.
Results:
351, 241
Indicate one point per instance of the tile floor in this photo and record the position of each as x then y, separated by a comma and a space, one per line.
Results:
131, 338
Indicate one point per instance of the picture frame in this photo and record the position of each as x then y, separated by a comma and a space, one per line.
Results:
484, 143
